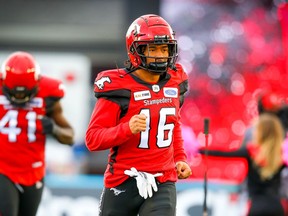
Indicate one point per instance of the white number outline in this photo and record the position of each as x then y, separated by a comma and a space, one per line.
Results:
11, 118
162, 127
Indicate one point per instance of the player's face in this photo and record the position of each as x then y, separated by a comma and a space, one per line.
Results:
156, 53
20, 96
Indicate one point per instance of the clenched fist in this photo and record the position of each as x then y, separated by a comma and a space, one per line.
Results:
137, 123
183, 170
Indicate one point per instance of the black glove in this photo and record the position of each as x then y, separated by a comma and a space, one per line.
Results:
47, 125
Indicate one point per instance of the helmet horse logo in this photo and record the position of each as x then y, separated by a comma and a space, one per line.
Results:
101, 81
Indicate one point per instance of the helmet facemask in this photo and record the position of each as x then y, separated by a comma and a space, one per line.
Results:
158, 65
19, 96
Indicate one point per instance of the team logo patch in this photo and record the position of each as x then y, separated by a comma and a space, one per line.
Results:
116, 191
170, 92
141, 95
100, 83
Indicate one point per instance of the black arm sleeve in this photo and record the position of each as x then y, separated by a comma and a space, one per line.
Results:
50, 101
238, 153
119, 96
183, 90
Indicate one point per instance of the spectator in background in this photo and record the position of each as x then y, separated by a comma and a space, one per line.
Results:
270, 102
275, 103
265, 164
137, 117
30, 109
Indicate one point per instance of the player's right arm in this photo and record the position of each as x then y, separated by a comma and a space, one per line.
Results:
103, 131
137, 123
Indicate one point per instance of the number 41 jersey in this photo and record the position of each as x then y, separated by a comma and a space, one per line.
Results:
22, 140
122, 95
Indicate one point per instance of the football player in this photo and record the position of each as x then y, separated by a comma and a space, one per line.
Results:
137, 117
29, 110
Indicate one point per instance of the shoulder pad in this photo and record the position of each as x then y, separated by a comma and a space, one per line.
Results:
181, 78
181, 72
50, 87
112, 83
178, 74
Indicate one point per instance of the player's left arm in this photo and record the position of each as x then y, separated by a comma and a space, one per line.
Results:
183, 170
54, 122
60, 128
182, 167
180, 158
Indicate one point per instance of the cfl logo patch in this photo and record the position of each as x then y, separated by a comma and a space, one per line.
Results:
100, 83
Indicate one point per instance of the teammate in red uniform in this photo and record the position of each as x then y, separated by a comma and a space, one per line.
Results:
29, 110
137, 117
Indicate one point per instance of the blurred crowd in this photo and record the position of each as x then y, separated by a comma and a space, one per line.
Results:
232, 50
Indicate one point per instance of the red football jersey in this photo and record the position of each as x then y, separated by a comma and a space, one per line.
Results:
122, 95
22, 141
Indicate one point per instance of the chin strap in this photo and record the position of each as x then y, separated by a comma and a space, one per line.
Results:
159, 67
